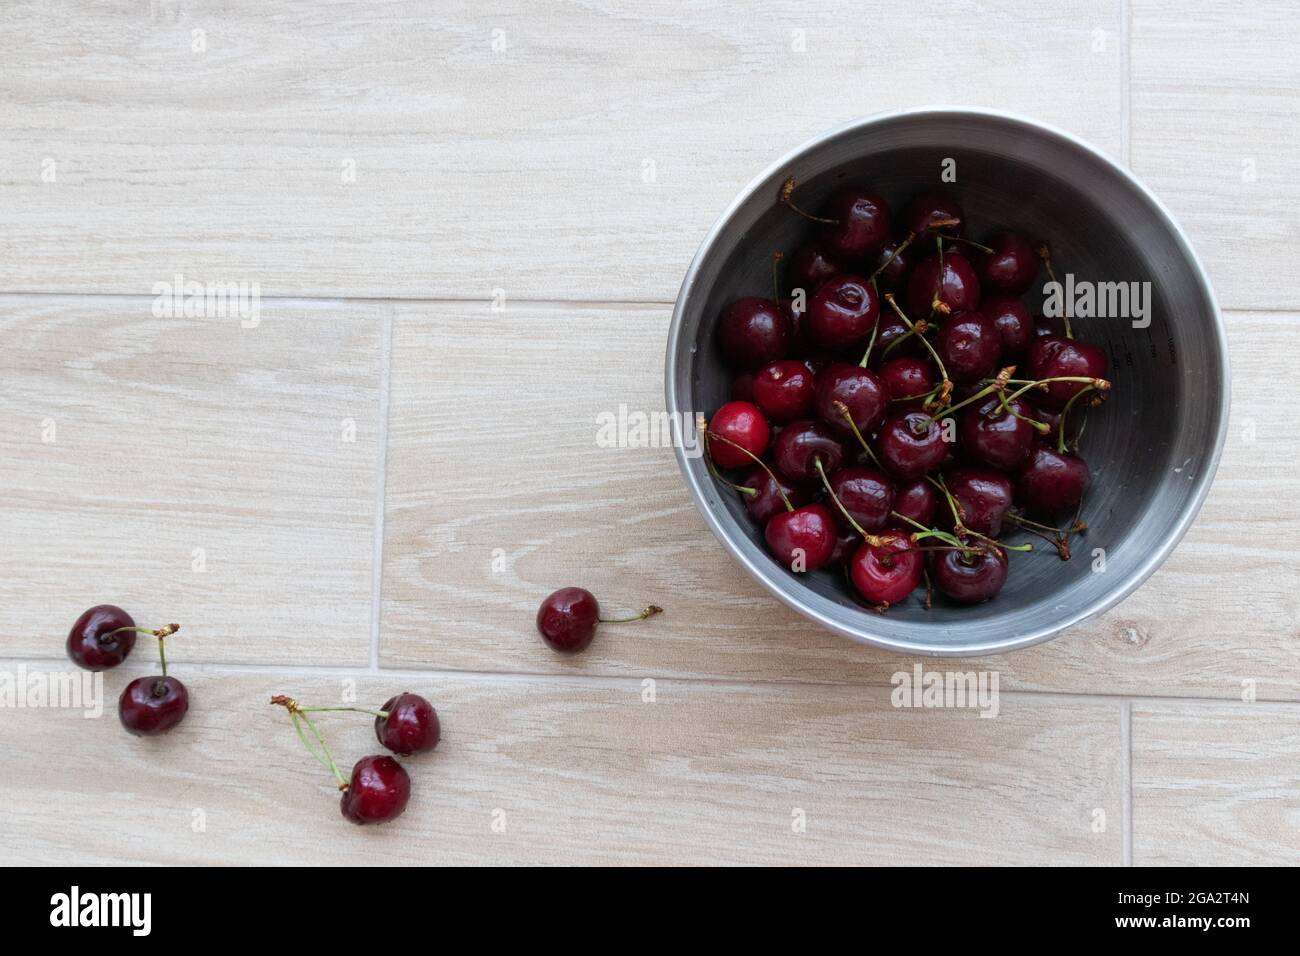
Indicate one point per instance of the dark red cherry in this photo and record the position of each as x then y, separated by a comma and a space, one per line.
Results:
890, 328
411, 726
1053, 421
890, 266
860, 390
888, 570
960, 288
1014, 324
803, 539
907, 380
768, 502
847, 541
809, 267
754, 332
567, 619
88, 645
866, 494
739, 423
970, 578
1051, 356
1045, 326
1052, 483
842, 313
983, 497
862, 225
1012, 265
742, 388
927, 209
970, 346
378, 792
784, 391
910, 444
996, 437
152, 705
916, 499
798, 447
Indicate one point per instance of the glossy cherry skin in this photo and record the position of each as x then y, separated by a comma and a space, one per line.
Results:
995, 437
969, 580
1052, 483
891, 328
768, 503
567, 619
860, 390
842, 313
960, 289
754, 332
1014, 324
929, 208
867, 494
970, 346
886, 572
784, 391
803, 539
152, 705
809, 267
740, 423
907, 379
1051, 356
378, 792
411, 727
847, 541
800, 445
86, 645
910, 444
916, 499
1012, 266
863, 226
893, 265
983, 495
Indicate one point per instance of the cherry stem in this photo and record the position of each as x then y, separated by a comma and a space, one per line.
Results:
959, 526
786, 198
871, 343
1100, 384
776, 268
1060, 542
971, 242
1045, 253
919, 330
892, 256
946, 387
936, 303
848, 417
1065, 413
868, 538
351, 710
745, 490
326, 758
650, 611
727, 441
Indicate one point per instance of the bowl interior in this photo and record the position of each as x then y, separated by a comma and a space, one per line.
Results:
1152, 447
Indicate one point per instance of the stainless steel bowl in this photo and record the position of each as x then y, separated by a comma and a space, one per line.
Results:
1153, 448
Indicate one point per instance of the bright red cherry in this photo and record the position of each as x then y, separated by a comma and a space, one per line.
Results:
995, 437
886, 569
1052, 356
969, 345
768, 502
1052, 482
1014, 324
859, 390
784, 391
910, 444
959, 290
152, 705
738, 423
1012, 265
802, 539
411, 726
842, 313
92, 643
754, 332
378, 792
867, 495
983, 497
969, 578
800, 445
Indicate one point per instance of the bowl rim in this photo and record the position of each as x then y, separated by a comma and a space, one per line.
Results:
779, 588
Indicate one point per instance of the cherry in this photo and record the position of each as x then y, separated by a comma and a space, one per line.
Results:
842, 313
1012, 265
861, 226
911, 443
742, 388
754, 332
931, 213
1014, 324
959, 290
772, 494
916, 500
865, 493
1052, 482
907, 380
891, 264
1045, 326
887, 568
997, 438
1052, 356
969, 345
800, 445
411, 725
568, 617
983, 497
101, 638
740, 423
860, 390
378, 792
890, 329
803, 539
970, 576
846, 542
784, 391
152, 705
809, 267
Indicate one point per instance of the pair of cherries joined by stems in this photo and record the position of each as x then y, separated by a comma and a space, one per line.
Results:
379, 787
899, 441
100, 639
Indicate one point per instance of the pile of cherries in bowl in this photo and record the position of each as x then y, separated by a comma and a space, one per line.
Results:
897, 409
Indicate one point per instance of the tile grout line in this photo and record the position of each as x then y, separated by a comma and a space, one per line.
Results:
381, 483
1126, 760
